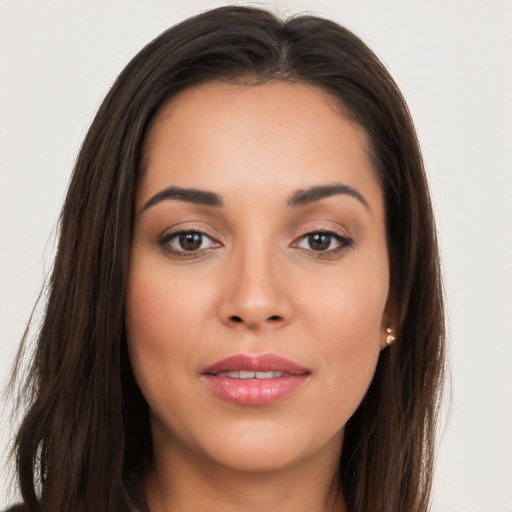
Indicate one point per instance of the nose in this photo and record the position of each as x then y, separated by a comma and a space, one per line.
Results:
256, 292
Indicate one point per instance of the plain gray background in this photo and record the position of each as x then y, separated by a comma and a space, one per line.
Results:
453, 62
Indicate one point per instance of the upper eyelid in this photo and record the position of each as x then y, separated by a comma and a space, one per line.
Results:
189, 228
174, 234
303, 233
324, 226
323, 230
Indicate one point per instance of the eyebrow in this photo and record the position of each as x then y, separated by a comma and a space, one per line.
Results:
189, 195
313, 194
299, 198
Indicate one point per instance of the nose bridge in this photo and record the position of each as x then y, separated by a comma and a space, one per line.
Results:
257, 294
256, 274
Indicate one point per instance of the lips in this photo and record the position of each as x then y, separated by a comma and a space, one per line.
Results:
254, 380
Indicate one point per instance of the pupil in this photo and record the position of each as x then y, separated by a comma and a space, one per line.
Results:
190, 241
319, 241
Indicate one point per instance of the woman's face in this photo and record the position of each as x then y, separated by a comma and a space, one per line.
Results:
259, 278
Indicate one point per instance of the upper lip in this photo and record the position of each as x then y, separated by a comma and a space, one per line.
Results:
260, 363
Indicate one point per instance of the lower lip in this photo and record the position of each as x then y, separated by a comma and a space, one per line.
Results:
254, 391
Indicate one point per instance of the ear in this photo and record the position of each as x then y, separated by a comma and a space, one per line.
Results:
390, 321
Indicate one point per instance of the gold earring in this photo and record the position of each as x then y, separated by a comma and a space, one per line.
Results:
390, 338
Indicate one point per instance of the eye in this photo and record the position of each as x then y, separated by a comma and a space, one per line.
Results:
323, 242
183, 242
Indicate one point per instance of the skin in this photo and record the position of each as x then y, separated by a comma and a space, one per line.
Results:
256, 285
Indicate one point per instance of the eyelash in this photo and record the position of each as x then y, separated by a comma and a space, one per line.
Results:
164, 242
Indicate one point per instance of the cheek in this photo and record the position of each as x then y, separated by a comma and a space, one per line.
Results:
350, 304
351, 325
148, 306
160, 308
145, 307
161, 324
346, 317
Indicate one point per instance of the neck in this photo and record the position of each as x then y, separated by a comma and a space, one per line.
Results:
188, 483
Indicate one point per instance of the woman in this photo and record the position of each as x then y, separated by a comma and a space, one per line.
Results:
245, 309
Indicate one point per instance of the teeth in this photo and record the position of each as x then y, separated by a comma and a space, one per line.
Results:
243, 374
267, 375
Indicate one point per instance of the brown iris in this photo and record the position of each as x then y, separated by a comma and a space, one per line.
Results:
319, 241
190, 241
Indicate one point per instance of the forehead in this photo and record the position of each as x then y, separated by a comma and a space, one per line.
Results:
266, 137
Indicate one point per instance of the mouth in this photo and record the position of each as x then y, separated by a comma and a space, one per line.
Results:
254, 380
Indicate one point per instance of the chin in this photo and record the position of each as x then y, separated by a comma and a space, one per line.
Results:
249, 460
268, 447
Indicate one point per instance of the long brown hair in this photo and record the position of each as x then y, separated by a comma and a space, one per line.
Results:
85, 432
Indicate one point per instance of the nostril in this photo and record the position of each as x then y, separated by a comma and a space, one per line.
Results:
237, 319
